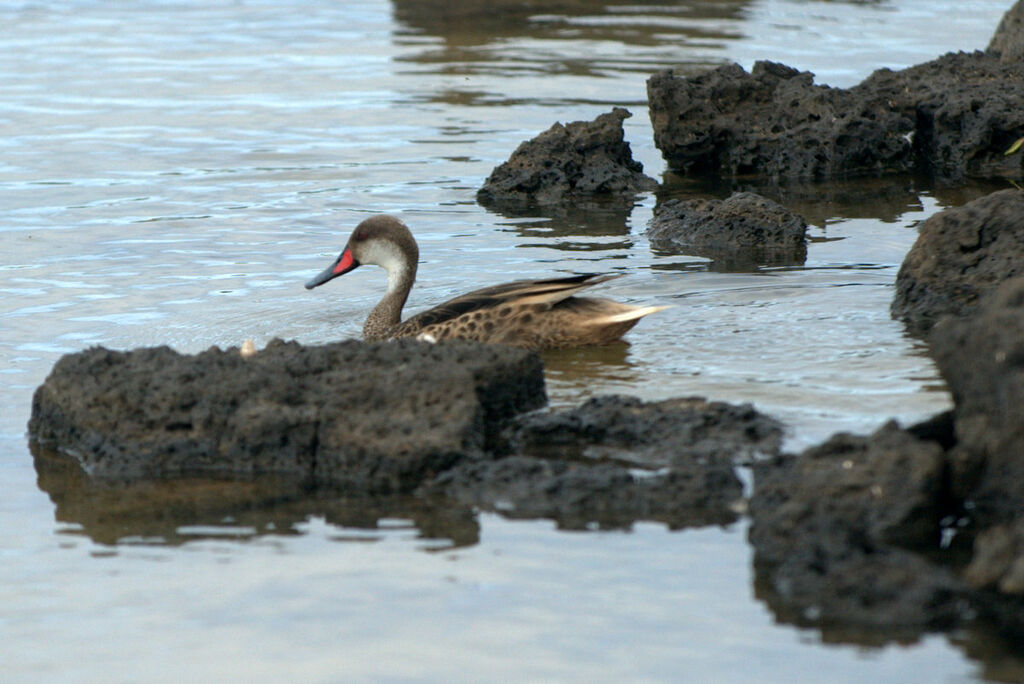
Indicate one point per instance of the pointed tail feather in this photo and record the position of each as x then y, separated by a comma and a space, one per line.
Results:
630, 315
554, 291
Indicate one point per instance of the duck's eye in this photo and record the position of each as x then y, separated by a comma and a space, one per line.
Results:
359, 235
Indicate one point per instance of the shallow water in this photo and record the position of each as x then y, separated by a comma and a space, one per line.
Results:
172, 173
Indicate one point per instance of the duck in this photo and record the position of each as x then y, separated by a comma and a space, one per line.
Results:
534, 314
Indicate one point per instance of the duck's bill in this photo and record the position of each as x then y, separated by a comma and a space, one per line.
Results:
342, 265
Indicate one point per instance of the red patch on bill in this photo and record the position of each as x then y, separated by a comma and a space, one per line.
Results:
345, 262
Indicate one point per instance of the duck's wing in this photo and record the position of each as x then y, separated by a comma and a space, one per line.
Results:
519, 292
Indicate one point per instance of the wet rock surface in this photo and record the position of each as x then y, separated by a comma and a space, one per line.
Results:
833, 531
372, 417
848, 532
953, 117
578, 495
960, 255
579, 160
372, 420
998, 561
615, 460
996, 571
739, 233
649, 434
981, 357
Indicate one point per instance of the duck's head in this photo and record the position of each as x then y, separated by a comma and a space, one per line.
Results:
381, 240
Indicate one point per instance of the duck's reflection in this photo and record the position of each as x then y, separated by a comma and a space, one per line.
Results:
572, 372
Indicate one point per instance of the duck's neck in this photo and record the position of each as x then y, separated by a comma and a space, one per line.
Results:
386, 316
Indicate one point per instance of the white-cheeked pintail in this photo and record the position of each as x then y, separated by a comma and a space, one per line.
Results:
537, 314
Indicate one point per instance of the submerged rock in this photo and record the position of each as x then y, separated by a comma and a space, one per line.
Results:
114, 431
179, 510
833, 529
738, 233
577, 495
649, 434
960, 255
953, 117
579, 160
370, 417
617, 459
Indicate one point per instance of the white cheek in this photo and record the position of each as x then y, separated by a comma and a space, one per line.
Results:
387, 256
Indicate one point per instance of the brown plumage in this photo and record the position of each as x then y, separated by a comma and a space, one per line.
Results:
538, 314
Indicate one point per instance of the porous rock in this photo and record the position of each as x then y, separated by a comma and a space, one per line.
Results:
832, 530
998, 560
1008, 41
981, 357
649, 434
996, 572
953, 117
583, 159
616, 459
960, 255
742, 231
367, 417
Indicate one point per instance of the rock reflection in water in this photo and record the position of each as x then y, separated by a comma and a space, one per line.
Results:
996, 655
172, 512
786, 614
469, 23
584, 226
570, 372
887, 199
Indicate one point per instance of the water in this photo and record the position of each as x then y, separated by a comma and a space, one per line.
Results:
171, 173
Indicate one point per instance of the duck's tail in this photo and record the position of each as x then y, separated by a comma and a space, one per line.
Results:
632, 314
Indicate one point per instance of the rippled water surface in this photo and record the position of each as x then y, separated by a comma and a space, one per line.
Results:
172, 172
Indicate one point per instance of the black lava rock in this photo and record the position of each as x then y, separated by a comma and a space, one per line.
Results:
370, 417
738, 233
959, 256
583, 159
833, 531
617, 459
953, 117
981, 357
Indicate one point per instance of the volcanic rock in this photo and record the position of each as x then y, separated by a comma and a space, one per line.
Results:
738, 233
583, 159
368, 417
649, 434
833, 531
1008, 42
996, 571
960, 255
952, 117
577, 495
981, 357
617, 459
